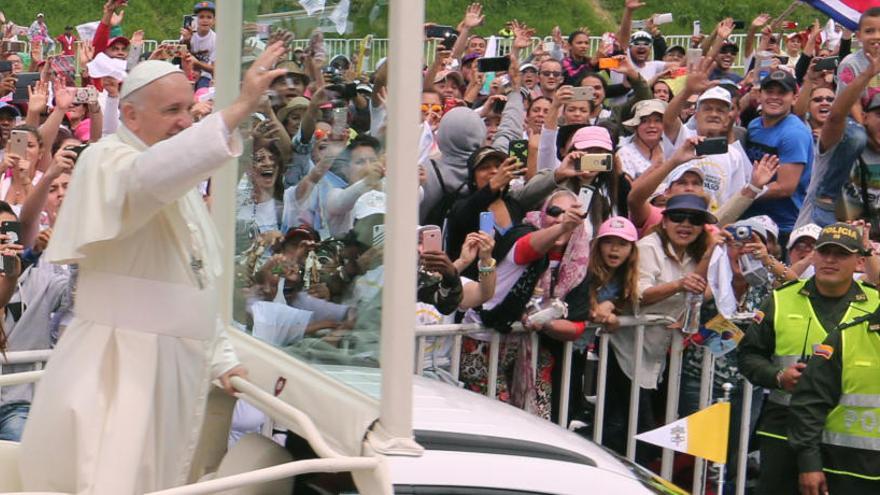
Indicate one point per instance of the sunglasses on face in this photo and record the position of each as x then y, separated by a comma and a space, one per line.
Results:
820, 99
555, 211
695, 219
641, 43
547, 73
431, 108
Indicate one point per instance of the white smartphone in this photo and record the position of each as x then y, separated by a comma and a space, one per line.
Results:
585, 197
662, 19
696, 28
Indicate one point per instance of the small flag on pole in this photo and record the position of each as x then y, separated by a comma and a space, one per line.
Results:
702, 434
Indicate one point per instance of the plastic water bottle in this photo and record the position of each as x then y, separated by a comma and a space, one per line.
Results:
535, 302
692, 302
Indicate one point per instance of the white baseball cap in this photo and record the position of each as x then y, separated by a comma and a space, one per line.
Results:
716, 93
810, 230
369, 203
769, 224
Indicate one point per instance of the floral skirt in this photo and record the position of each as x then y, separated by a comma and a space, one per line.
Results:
515, 383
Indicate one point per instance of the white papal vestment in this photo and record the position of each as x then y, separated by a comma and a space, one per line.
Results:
120, 406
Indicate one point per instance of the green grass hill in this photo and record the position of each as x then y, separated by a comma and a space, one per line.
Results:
161, 18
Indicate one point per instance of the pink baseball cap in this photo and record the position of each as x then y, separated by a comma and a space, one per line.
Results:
618, 227
592, 137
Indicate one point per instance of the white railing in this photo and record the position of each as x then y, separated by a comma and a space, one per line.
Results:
37, 358
331, 461
673, 384
379, 47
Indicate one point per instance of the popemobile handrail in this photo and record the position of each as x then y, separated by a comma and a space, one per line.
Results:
283, 413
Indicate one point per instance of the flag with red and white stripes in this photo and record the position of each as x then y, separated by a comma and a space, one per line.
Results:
846, 12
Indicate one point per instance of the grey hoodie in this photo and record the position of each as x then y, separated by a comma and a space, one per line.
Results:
461, 132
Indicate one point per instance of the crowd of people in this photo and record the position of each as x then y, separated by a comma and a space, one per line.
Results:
560, 188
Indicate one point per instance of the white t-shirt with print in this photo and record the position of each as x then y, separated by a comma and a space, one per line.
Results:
204, 48
725, 174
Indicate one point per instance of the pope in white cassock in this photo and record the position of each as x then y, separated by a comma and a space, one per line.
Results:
120, 407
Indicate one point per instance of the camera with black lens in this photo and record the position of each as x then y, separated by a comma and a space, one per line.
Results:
332, 75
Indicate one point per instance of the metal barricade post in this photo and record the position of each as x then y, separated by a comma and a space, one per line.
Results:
536, 343
632, 421
744, 434
455, 360
420, 351
707, 376
601, 379
492, 385
565, 385
672, 392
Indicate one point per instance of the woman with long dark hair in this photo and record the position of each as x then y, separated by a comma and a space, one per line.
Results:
669, 259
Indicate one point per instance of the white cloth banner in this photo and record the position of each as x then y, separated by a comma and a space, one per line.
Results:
339, 16
104, 66
312, 6
87, 31
720, 278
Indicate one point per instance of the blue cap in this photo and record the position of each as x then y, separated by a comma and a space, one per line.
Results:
204, 6
689, 202
7, 106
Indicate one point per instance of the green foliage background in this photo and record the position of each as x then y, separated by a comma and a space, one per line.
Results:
161, 18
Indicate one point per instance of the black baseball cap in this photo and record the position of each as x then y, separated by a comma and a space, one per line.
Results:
842, 235
563, 135
691, 203
782, 78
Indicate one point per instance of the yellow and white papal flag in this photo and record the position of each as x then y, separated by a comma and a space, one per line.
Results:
702, 434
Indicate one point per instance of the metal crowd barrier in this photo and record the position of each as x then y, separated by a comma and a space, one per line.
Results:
379, 50
673, 384
349, 47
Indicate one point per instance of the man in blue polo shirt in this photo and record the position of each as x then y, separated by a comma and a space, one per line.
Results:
778, 132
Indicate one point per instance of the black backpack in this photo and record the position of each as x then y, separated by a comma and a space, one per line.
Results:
437, 215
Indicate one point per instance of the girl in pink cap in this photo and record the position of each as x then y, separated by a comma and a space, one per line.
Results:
610, 285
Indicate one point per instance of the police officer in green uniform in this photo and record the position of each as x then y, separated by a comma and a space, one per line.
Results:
835, 410
792, 322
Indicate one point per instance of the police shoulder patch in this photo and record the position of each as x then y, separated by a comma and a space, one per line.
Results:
823, 350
